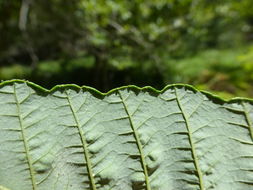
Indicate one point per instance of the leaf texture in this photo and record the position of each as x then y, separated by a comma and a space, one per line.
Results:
72, 138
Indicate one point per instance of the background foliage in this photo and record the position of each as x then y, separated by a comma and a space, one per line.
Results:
111, 43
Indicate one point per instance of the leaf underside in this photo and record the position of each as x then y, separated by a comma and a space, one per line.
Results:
72, 138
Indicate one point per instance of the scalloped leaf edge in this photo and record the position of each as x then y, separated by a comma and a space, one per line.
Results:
61, 87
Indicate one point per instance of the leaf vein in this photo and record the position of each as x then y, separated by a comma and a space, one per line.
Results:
193, 149
249, 122
143, 162
84, 143
26, 147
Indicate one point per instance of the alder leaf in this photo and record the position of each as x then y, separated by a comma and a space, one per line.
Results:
72, 138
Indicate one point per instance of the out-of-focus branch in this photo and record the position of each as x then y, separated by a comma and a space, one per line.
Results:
134, 36
23, 17
140, 41
23, 14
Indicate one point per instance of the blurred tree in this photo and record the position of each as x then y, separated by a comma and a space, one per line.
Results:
110, 43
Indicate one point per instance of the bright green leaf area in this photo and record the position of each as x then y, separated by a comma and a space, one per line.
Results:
73, 138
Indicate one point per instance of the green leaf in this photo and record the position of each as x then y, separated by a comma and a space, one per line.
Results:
127, 139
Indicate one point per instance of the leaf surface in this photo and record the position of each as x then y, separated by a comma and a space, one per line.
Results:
72, 138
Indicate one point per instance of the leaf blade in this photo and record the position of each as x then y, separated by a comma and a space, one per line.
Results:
109, 123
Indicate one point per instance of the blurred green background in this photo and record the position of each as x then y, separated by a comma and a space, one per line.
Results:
110, 43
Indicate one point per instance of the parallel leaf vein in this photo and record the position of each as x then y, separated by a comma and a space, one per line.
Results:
138, 142
84, 145
249, 122
26, 146
193, 149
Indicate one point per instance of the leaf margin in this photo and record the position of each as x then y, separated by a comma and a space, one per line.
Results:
61, 87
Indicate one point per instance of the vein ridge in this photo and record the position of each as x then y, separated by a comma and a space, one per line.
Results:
143, 162
26, 147
196, 162
84, 145
249, 122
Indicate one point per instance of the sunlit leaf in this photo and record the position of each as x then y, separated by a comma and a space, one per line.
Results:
128, 139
